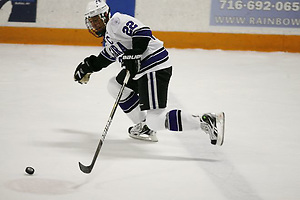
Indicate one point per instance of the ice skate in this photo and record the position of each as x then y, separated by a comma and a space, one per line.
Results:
141, 131
213, 124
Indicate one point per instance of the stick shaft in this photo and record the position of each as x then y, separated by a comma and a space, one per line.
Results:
88, 169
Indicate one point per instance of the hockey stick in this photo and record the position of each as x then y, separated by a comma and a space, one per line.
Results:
88, 169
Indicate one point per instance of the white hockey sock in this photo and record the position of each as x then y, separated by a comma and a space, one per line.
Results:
136, 115
156, 119
129, 101
176, 120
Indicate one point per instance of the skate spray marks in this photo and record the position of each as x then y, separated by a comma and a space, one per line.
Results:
42, 186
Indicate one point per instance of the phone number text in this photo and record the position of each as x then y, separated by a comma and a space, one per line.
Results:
260, 5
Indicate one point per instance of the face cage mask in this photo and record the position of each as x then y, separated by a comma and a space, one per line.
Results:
104, 17
92, 30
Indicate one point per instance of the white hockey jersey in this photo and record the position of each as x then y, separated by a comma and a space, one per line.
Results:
120, 30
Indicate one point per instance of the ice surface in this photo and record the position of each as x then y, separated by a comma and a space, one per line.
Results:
50, 122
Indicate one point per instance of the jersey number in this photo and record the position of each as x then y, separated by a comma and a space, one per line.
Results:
128, 29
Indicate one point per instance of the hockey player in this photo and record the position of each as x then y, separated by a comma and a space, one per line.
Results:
144, 99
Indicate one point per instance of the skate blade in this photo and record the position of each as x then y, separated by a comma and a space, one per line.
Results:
149, 139
221, 128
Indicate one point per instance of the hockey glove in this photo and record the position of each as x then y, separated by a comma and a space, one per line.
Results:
83, 71
131, 62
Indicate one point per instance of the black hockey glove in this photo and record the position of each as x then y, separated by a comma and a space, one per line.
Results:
131, 62
84, 70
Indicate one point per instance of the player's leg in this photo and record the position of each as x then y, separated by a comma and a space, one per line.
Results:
178, 120
129, 103
173, 120
210, 123
153, 90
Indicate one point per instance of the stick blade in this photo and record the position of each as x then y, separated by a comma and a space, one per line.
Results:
85, 169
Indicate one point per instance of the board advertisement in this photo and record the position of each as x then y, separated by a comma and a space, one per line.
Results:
255, 13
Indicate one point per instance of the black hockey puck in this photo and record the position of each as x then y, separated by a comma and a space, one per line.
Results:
29, 170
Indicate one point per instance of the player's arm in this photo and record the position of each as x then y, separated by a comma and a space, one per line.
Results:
88, 66
139, 45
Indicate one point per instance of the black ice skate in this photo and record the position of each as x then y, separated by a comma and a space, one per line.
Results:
141, 131
214, 124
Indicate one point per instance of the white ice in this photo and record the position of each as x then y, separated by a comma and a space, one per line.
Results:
50, 122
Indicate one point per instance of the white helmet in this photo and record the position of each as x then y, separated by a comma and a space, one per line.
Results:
97, 8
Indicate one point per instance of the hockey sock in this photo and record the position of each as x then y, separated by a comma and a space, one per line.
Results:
176, 120
156, 118
173, 120
130, 106
129, 101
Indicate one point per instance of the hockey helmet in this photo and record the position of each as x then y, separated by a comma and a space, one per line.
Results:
96, 17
